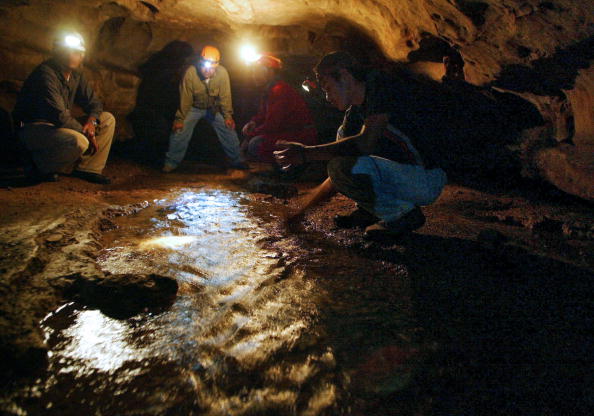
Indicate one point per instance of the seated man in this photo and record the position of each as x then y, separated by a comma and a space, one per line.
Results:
56, 141
377, 166
204, 93
283, 113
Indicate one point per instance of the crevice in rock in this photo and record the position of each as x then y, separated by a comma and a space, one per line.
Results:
475, 10
431, 48
550, 75
152, 8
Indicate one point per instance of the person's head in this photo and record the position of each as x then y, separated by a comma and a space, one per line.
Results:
265, 69
69, 50
209, 61
338, 75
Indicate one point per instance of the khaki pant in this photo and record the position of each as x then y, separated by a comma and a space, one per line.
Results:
61, 150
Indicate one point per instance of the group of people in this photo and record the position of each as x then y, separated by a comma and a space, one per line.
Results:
205, 93
372, 161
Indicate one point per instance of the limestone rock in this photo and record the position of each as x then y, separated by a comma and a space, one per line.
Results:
529, 47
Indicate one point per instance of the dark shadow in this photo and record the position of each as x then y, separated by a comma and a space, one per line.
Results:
9, 155
431, 49
11, 172
464, 128
158, 99
15, 178
513, 329
510, 331
124, 295
550, 75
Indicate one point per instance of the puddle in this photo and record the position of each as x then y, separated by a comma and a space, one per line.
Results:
246, 335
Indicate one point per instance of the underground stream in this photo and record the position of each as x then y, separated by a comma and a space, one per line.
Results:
251, 331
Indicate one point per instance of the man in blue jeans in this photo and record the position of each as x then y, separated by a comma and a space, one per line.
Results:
205, 92
372, 161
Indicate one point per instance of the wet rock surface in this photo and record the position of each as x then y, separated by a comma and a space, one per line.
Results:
184, 294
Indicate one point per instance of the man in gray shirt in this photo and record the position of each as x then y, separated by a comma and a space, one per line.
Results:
55, 139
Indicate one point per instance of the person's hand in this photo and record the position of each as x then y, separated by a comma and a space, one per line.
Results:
248, 128
93, 146
230, 123
294, 216
289, 154
177, 126
89, 132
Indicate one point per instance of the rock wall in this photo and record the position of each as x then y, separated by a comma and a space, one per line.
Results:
582, 101
531, 47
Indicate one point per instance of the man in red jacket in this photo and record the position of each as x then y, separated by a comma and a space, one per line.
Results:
283, 114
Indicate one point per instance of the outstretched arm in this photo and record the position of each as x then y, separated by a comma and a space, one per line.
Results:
321, 193
293, 154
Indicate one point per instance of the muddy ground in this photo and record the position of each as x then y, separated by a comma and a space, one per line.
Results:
496, 287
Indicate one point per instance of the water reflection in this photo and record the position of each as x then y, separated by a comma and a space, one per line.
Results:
224, 338
99, 341
171, 242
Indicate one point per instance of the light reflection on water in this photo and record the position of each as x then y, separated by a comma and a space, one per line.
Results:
219, 348
99, 341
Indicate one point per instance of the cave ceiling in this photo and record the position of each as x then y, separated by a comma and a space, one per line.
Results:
490, 34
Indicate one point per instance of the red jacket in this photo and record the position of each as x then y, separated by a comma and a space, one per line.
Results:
283, 115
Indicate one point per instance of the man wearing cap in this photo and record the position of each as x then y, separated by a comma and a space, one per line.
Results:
373, 160
282, 115
56, 141
205, 92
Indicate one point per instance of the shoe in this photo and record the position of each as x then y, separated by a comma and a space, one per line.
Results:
91, 177
406, 224
37, 177
168, 168
357, 218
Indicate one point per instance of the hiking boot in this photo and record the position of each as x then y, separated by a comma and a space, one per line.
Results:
91, 177
406, 224
37, 177
357, 218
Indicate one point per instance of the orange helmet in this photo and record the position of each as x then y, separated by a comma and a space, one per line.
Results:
270, 61
211, 54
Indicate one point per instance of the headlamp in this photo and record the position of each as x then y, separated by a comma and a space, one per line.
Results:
72, 41
309, 85
248, 54
207, 64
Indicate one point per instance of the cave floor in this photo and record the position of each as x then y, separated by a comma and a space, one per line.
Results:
482, 311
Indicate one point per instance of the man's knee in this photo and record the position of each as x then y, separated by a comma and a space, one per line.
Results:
254, 145
106, 119
340, 168
72, 141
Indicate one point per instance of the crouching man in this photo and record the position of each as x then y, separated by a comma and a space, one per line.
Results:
56, 141
372, 161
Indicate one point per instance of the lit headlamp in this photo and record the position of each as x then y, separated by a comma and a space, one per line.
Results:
205, 63
72, 41
249, 54
309, 85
